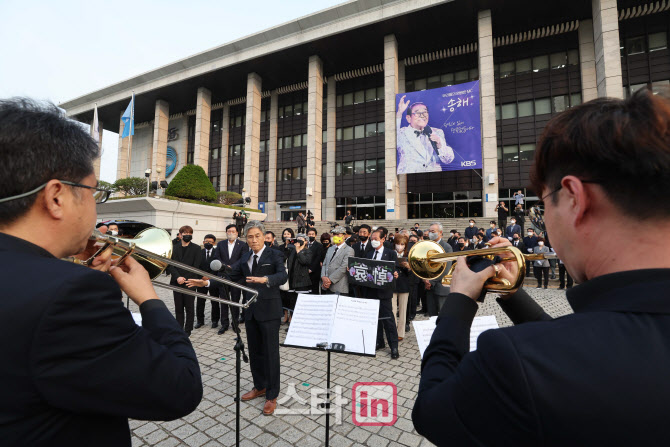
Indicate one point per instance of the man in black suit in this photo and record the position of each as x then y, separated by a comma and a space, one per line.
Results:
387, 319
316, 249
187, 253
229, 252
597, 377
75, 366
363, 246
262, 269
208, 255
436, 292
529, 243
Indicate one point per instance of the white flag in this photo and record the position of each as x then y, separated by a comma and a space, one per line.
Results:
94, 127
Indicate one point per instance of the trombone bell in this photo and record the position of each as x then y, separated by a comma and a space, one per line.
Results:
424, 260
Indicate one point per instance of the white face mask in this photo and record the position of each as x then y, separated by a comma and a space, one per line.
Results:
513, 222
540, 243
114, 233
433, 236
530, 234
375, 244
231, 237
471, 224
399, 248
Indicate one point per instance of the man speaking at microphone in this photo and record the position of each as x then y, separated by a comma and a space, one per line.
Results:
263, 269
75, 366
598, 377
421, 148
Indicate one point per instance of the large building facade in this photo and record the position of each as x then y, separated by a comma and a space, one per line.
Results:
302, 116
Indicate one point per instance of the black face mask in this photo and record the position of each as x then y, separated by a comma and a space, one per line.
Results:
268, 243
461, 244
187, 237
312, 238
326, 242
363, 238
208, 246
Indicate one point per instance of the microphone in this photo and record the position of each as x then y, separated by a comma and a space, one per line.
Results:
428, 131
216, 265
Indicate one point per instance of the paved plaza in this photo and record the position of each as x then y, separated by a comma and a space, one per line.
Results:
303, 374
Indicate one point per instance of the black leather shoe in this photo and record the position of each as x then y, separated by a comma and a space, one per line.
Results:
395, 354
222, 330
380, 346
215, 324
188, 334
407, 327
198, 325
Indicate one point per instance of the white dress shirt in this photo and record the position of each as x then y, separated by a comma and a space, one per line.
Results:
380, 253
250, 263
230, 248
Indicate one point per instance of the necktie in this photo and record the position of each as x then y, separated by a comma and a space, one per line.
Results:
254, 266
418, 133
376, 253
334, 251
209, 253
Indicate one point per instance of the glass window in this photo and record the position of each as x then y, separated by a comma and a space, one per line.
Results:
636, 87
559, 103
447, 79
297, 140
508, 111
261, 177
371, 129
461, 195
304, 139
359, 167
287, 142
348, 168
660, 86
540, 63
347, 133
242, 149
297, 109
238, 150
280, 112
296, 173
475, 209
474, 74
264, 114
261, 146
526, 152
381, 165
359, 96
338, 134
371, 166
215, 153
558, 60
371, 94
511, 153
338, 101
238, 121
380, 128
280, 143
499, 152
426, 210
542, 106
409, 86
573, 57
244, 119
575, 99
288, 110
380, 92
347, 99
496, 71
506, 69
230, 151
279, 177
338, 169
635, 45
461, 76
498, 112
324, 136
359, 131
419, 84
524, 66
658, 41
236, 179
433, 82
525, 108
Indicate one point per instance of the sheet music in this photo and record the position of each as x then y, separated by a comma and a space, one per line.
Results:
424, 330
312, 320
356, 322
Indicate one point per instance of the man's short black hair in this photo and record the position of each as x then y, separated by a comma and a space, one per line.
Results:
210, 236
418, 103
384, 230
229, 226
311, 229
270, 232
493, 222
39, 143
365, 226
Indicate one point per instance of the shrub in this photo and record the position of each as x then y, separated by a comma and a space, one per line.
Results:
191, 182
228, 197
133, 186
106, 185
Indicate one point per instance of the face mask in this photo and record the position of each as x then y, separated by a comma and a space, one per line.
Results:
516, 238
399, 248
187, 237
453, 235
337, 240
231, 237
471, 224
513, 222
530, 234
363, 238
540, 243
268, 243
433, 236
375, 244
312, 238
114, 233
461, 244
492, 226
208, 246
326, 242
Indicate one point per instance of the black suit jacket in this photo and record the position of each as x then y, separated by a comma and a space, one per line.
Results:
358, 249
239, 249
316, 249
205, 263
271, 264
598, 377
75, 366
189, 255
387, 292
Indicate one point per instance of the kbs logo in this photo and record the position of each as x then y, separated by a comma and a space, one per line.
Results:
469, 163
374, 403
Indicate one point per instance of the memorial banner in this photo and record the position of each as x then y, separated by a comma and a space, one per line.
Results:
439, 129
369, 273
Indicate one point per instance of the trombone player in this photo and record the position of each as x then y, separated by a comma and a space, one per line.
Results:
598, 376
75, 365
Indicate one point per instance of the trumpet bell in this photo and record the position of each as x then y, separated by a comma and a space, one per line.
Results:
420, 262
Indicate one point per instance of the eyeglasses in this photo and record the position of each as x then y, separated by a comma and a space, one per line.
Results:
424, 113
542, 199
100, 195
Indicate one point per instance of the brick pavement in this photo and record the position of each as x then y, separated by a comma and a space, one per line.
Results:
213, 423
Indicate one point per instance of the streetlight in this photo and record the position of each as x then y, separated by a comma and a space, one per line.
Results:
147, 174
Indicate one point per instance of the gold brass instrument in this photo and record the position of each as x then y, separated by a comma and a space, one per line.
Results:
428, 260
152, 248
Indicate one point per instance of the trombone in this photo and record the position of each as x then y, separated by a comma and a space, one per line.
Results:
428, 260
152, 248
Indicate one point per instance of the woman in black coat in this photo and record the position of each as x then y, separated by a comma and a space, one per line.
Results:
298, 262
401, 295
287, 237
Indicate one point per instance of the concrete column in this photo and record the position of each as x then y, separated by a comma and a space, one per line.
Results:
96, 162
159, 148
271, 205
393, 194
487, 111
252, 138
314, 136
225, 134
402, 178
587, 60
332, 148
203, 114
122, 156
607, 48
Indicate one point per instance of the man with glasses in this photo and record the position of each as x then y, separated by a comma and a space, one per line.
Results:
598, 377
75, 364
421, 148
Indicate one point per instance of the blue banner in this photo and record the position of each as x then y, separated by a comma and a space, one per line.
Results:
439, 129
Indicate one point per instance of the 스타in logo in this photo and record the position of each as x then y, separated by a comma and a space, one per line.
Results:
374, 403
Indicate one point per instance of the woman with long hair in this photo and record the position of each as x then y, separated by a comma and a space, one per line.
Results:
287, 237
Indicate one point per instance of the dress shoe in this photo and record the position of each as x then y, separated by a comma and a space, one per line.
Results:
400, 338
380, 346
188, 334
270, 406
198, 325
215, 324
407, 327
253, 394
222, 330
395, 354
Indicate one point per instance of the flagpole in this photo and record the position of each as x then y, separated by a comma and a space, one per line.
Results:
131, 123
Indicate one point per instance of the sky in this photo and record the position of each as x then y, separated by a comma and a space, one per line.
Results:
58, 51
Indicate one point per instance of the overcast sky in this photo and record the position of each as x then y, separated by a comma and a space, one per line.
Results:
58, 51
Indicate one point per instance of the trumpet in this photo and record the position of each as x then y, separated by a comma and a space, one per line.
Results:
152, 248
428, 260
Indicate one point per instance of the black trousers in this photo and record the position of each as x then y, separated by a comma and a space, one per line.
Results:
184, 302
528, 265
200, 305
263, 341
387, 322
229, 293
316, 279
539, 271
562, 272
412, 301
502, 223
